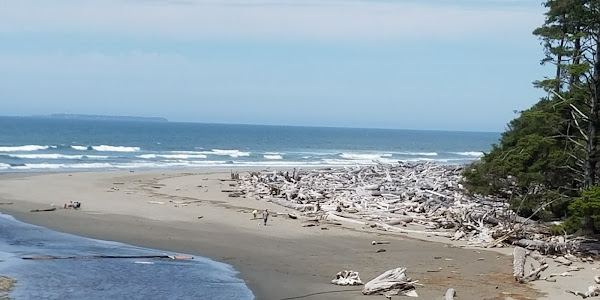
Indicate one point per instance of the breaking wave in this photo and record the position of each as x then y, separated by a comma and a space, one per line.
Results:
107, 148
273, 156
360, 156
469, 153
80, 148
419, 153
23, 148
55, 156
230, 153
172, 156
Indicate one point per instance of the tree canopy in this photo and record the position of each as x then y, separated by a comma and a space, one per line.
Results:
547, 158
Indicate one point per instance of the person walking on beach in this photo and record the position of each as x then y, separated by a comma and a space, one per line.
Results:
265, 216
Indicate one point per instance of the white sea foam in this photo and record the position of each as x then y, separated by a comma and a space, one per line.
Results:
231, 153
172, 156
189, 152
46, 156
418, 153
364, 156
272, 156
469, 153
107, 148
80, 148
182, 156
4, 166
23, 148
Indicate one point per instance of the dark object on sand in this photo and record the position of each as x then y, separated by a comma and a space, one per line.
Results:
40, 210
6, 203
380, 250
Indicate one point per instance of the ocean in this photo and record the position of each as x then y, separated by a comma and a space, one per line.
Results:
38, 144
107, 278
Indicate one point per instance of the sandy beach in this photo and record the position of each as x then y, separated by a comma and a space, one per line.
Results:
185, 211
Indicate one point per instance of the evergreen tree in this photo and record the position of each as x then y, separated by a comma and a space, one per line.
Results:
549, 153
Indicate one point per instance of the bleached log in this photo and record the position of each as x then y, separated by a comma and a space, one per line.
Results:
333, 217
391, 282
543, 246
292, 205
591, 292
519, 256
399, 220
450, 294
347, 277
534, 274
402, 230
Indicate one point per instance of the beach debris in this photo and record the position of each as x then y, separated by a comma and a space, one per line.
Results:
563, 260
291, 216
6, 203
157, 202
563, 274
200, 217
380, 250
408, 198
380, 242
391, 282
450, 294
347, 277
519, 258
43, 209
592, 291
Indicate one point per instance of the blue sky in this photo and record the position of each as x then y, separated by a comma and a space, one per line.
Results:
439, 64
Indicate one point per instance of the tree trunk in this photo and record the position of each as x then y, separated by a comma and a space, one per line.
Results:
590, 151
576, 59
559, 68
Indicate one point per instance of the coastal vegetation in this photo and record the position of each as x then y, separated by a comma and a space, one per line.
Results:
547, 161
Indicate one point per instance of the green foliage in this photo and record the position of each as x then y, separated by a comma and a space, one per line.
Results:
545, 156
584, 213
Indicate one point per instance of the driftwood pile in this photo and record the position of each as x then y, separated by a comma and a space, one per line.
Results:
408, 198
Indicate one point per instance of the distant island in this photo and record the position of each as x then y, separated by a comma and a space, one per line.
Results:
102, 118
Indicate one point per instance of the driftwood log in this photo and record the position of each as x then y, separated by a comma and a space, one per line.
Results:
391, 282
592, 291
44, 209
450, 294
347, 277
519, 257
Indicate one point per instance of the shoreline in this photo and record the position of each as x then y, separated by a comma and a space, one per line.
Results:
280, 261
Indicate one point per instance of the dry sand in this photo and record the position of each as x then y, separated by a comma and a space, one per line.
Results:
280, 261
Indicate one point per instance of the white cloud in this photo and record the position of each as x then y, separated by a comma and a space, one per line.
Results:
290, 19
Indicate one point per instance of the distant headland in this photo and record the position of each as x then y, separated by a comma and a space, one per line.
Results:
102, 118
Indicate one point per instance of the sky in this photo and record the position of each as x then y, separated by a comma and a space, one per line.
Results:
436, 64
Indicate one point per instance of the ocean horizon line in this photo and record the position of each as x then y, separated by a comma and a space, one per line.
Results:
252, 124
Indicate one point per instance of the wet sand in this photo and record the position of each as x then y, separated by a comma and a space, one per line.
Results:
280, 261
